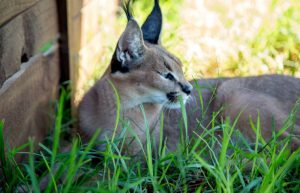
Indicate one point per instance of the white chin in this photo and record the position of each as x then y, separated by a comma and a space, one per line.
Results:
172, 105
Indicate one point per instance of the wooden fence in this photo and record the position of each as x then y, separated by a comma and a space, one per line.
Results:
43, 43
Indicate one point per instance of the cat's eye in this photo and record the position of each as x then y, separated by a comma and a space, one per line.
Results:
169, 76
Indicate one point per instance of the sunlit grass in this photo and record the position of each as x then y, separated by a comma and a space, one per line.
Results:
227, 38
212, 38
203, 162
239, 38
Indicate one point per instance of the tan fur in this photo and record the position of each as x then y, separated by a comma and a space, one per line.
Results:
143, 85
141, 70
272, 97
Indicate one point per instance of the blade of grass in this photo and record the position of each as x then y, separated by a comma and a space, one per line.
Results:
161, 131
219, 177
31, 169
71, 165
50, 172
57, 128
3, 157
258, 136
148, 147
185, 121
254, 183
118, 113
199, 90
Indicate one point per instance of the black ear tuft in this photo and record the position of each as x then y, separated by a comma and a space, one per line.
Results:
130, 46
126, 6
152, 27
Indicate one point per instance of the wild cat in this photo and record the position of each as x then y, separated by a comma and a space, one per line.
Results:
269, 98
144, 73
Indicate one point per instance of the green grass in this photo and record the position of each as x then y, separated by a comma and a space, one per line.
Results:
278, 47
208, 164
202, 163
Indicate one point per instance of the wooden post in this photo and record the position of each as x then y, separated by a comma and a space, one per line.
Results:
74, 36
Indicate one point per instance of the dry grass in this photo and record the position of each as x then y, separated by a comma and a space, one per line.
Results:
217, 37
226, 38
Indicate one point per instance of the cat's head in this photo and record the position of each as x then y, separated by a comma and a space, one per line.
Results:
145, 67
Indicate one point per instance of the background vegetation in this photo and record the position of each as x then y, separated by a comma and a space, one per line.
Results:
226, 38
212, 38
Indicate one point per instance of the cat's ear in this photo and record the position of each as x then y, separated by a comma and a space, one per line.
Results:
131, 44
153, 25
130, 48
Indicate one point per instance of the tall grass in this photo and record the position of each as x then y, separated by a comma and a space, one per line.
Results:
200, 164
203, 162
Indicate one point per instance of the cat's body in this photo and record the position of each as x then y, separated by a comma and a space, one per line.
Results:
271, 97
98, 110
144, 73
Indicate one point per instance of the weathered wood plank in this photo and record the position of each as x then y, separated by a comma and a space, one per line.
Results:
74, 34
26, 35
11, 48
11, 8
27, 98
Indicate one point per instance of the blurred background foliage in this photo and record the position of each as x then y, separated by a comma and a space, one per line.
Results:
224, 37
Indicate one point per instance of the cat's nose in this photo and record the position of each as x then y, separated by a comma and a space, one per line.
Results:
186, 88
